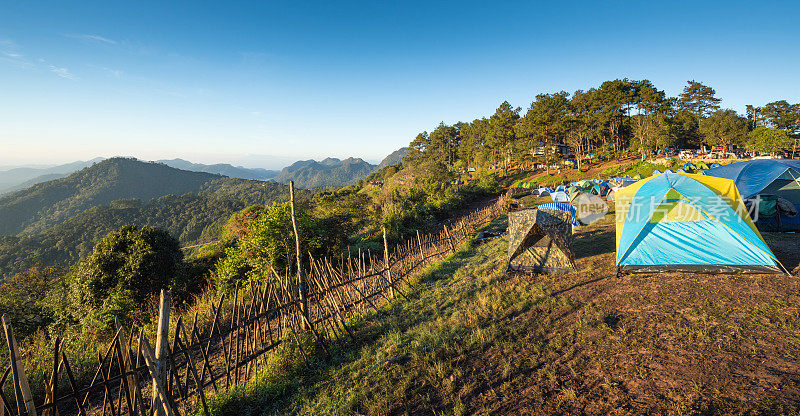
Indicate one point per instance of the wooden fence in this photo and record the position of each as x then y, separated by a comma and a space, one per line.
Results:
135, 378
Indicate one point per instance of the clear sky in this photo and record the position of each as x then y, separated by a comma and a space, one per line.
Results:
213, 82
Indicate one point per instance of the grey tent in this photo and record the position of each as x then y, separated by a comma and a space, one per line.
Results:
540, 241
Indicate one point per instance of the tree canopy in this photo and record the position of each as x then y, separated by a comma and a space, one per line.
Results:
619, 116
126, 269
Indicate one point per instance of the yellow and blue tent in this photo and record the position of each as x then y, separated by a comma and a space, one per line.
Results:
688, 223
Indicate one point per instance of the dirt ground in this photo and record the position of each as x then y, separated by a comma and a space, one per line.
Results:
669, 344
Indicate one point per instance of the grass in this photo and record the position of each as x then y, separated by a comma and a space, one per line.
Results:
472, 339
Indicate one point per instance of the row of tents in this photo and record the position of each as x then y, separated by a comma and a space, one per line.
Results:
770, 187
687, 222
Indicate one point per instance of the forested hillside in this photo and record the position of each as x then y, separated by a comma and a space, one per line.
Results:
46, 204
393, 158
328, 172
61, 232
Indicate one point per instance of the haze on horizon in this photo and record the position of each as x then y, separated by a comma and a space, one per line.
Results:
215, 83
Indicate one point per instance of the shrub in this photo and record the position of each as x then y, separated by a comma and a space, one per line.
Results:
126, 268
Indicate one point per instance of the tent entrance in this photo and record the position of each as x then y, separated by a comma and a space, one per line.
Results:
540, 241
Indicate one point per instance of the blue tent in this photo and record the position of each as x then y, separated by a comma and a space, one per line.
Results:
762, 177
561, 206
688, 166
559, 196
600, 189
689, 223
668, 171
715, 165
544, 191
657, 172
561, 188
681, 171
617, 183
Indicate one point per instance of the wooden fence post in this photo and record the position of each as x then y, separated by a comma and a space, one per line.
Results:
22, 390
126, 360
162, 344
421, 252
386, 264
301, 281
449, 238
158, 387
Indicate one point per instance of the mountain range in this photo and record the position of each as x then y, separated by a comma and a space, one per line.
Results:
57, 222
334, 172
223, 169
306, 174
327, 172
23, 177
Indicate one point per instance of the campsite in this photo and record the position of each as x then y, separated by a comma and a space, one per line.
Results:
564, 332
414, 208
691, 222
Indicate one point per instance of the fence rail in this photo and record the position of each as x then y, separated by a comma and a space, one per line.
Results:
134, 378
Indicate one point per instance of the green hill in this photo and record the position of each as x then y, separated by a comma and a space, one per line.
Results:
58, 222
393, 158
43, 205
328, 172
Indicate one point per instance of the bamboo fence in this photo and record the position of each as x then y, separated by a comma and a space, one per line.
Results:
134, 378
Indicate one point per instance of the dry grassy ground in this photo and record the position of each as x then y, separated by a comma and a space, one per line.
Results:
473, 340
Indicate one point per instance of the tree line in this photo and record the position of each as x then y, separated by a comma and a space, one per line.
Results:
619, 117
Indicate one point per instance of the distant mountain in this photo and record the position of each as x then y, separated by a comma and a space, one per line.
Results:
23, 177
58, 222
327, 172
262, 161
223, 169
393, 158
43, 205
34, 181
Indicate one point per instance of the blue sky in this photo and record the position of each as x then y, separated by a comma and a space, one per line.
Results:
214, 82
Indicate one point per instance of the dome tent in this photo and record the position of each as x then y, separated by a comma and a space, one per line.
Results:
766, 177
559, 196
688, 223
563, 206
540, 241
572, 190
600, 189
